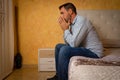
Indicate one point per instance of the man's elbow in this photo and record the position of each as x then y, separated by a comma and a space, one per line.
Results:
74, 44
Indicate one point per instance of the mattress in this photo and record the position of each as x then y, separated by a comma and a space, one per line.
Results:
93, 72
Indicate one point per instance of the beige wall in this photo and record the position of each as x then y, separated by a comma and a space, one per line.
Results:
38, 27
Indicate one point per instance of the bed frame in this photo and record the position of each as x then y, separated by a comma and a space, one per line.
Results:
107, 24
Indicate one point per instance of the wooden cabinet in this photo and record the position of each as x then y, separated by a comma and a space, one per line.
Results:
46, 60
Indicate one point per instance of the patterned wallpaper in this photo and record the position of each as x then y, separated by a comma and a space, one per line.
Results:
38, 27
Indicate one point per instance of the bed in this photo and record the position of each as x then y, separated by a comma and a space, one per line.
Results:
107, 24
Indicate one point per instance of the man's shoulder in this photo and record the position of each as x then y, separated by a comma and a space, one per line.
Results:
81, 18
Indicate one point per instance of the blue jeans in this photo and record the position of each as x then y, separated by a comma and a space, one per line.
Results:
63, 53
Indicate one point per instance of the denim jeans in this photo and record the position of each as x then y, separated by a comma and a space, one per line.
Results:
63, 53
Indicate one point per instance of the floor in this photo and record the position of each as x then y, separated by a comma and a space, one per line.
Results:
29, 73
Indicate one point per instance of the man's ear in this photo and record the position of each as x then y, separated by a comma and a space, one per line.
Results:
70, 11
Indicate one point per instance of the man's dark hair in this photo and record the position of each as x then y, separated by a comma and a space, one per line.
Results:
68, 6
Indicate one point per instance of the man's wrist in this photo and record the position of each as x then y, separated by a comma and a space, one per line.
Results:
66, 31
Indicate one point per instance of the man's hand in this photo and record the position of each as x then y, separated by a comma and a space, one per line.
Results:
63, 24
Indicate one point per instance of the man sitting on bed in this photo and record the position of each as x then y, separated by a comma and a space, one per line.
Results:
80, 37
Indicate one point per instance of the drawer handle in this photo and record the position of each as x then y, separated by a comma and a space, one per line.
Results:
50, 61
50, 68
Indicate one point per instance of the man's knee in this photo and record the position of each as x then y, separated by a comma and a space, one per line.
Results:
64, 53
59, 45
65, 49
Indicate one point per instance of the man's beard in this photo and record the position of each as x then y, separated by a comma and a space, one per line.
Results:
68, 18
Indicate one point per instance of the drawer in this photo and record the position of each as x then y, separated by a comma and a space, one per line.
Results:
46, 53
48, 61
47, 68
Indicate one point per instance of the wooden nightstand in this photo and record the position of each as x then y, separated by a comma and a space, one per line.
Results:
46, 60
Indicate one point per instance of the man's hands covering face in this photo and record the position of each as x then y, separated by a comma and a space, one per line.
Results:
63, 23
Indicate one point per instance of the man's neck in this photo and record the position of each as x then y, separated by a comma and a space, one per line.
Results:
73, 17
